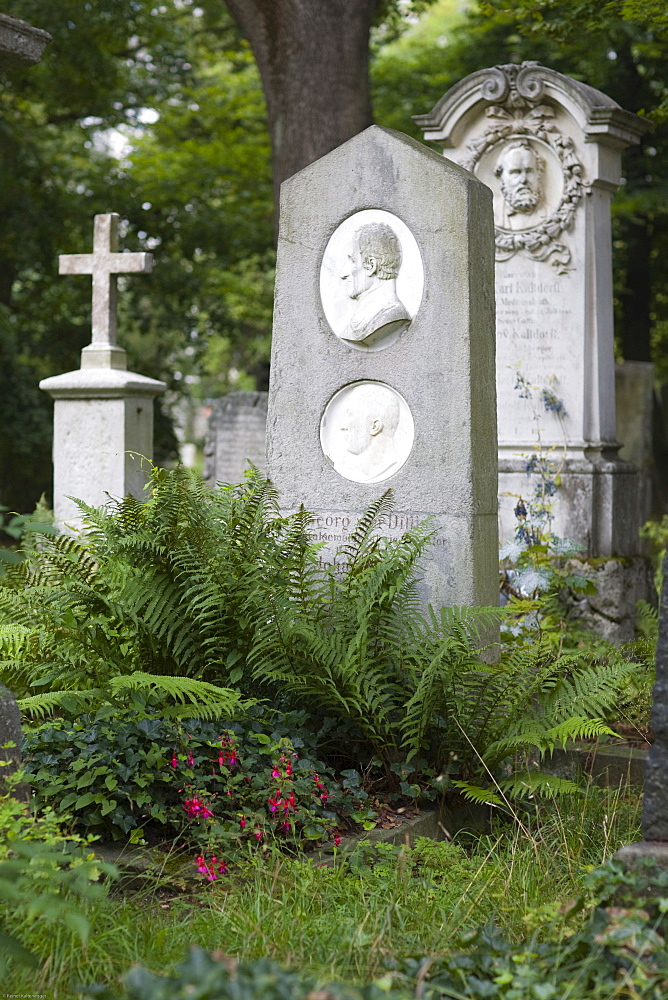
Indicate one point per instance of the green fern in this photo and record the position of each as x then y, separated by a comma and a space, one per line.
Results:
195, 699
202, 600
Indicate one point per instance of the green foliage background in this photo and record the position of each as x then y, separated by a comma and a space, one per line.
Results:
195, 185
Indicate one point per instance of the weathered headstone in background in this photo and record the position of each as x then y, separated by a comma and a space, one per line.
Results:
654, 845
103, 416
550, 148
236, 437
382, 369
635, 405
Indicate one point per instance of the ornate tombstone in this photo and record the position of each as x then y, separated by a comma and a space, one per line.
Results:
382, 373
550, 150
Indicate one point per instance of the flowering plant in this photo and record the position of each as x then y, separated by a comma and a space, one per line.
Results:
220, 785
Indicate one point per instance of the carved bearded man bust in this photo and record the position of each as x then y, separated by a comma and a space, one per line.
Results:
370, 274
519, 171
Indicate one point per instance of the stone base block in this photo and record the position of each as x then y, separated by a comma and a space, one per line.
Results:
647, 860
595, 504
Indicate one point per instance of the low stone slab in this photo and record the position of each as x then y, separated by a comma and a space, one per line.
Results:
608, 766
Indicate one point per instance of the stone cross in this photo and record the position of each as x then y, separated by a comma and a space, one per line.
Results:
104, 263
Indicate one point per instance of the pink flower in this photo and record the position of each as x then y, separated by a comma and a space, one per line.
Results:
209, 869
196, 809
242, 823
174, 762
191, 759
275, 773
337, 840
258, 834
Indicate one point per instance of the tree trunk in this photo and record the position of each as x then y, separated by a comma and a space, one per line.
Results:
313, 58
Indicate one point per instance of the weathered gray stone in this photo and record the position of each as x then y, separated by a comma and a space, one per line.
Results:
655, 802
550, 149
10, 732
382, 368
609, 766
21, 44
635, 407
236, 437
620, 583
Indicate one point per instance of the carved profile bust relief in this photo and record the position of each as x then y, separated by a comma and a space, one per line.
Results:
371, 280
366, 431
370, 274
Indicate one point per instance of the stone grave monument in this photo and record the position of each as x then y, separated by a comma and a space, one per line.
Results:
382, 371
550, 149
236, 437
654, 845
103, 414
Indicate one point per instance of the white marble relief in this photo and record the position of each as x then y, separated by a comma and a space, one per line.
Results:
371, 280
367, 431
527, 182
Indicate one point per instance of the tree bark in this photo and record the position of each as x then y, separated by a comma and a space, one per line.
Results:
313, 58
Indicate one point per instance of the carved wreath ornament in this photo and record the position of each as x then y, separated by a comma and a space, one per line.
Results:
517, 115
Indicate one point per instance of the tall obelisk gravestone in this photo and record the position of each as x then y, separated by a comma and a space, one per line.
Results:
103, 415
383, 354
549, 147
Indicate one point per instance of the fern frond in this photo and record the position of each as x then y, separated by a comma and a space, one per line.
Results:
533, 783
474, 793
71, 701
545, 741
204, 700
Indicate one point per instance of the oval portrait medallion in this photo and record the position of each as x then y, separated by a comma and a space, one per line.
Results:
371, 280
367, 431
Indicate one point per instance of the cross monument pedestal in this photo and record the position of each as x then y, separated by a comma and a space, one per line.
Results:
103, 414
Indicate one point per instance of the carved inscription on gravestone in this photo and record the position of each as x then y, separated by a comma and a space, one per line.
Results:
536, 336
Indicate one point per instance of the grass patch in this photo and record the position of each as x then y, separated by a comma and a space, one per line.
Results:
348, 921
